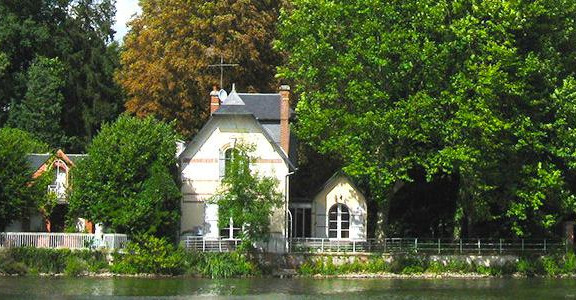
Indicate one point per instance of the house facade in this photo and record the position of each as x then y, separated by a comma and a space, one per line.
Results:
338, 211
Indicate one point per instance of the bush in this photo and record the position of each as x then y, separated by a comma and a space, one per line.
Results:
569, 263
526, 267
222, 265
55, 261
550, 266
149, 255
377, 265
75, 266
436, 267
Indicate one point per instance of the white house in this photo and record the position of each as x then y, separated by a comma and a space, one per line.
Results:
262, 120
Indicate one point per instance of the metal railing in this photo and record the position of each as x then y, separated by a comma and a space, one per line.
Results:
429, 246
388, 245
196, 243
62, 240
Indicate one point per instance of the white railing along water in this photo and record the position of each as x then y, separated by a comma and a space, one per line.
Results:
62, 240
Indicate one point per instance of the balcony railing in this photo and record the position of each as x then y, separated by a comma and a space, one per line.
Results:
59, 191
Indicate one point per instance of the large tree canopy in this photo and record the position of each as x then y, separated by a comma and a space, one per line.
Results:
482, 91
41, 109
166, 55
128, 181
78, 33
17, 196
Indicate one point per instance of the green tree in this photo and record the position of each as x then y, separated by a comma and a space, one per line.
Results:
170, 45
77, 32
129, 181
464, 89
41, 110
246, 197
17, 197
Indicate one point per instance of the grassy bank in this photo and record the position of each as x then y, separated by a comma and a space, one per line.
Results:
553, 265
152, 256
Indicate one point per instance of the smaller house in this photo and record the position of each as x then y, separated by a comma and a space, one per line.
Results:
61, 164
338, 211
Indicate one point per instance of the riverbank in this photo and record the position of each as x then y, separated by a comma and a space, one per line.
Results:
161, 258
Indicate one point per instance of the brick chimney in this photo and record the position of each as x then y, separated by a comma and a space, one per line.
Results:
285, 117
214, 100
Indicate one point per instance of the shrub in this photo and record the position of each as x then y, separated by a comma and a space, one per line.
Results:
75, 266
413, 270
377, 265
306, 268
149, 255
569, 263
224, 265
436, 267
526, 267
550, 266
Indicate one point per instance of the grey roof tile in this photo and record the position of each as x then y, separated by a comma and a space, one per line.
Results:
35, 160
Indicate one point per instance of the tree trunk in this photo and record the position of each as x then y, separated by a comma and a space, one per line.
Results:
383, 213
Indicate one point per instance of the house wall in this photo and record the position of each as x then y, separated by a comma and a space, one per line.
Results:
201, 171
340, 190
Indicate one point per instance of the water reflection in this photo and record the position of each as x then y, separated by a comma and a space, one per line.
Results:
184, 288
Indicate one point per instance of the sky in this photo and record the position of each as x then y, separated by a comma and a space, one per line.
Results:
124, 11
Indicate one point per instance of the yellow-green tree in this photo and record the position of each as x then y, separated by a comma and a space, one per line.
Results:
165, 63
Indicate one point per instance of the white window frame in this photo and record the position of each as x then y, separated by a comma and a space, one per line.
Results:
338, 222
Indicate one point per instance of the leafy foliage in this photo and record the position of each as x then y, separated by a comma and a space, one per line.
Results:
166, 55
481, 92
17, 197
150, 255
79, 34
246, 197
128, 182
41, 110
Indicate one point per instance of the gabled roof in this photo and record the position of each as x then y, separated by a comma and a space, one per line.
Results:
36, 160
212, 119
334, 177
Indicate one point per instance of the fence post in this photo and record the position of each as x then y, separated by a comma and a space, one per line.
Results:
439, 246
220, 244
322, 246
203, 245
500, 246
385, 245
416, 245
544, 245
479, 246
460, 246
354, 246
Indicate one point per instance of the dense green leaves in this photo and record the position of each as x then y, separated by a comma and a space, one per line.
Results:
128, 182
481, 91
79, 34
17, 197
41, 110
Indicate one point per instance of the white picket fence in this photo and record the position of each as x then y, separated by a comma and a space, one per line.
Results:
62, 240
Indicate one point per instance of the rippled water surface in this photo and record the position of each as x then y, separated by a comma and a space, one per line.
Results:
273, 288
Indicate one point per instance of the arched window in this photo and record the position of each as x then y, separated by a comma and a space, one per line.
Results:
232, 160
339, 222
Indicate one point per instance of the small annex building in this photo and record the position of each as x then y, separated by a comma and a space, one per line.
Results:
338, 211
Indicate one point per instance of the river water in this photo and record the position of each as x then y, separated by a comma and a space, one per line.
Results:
274, 288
